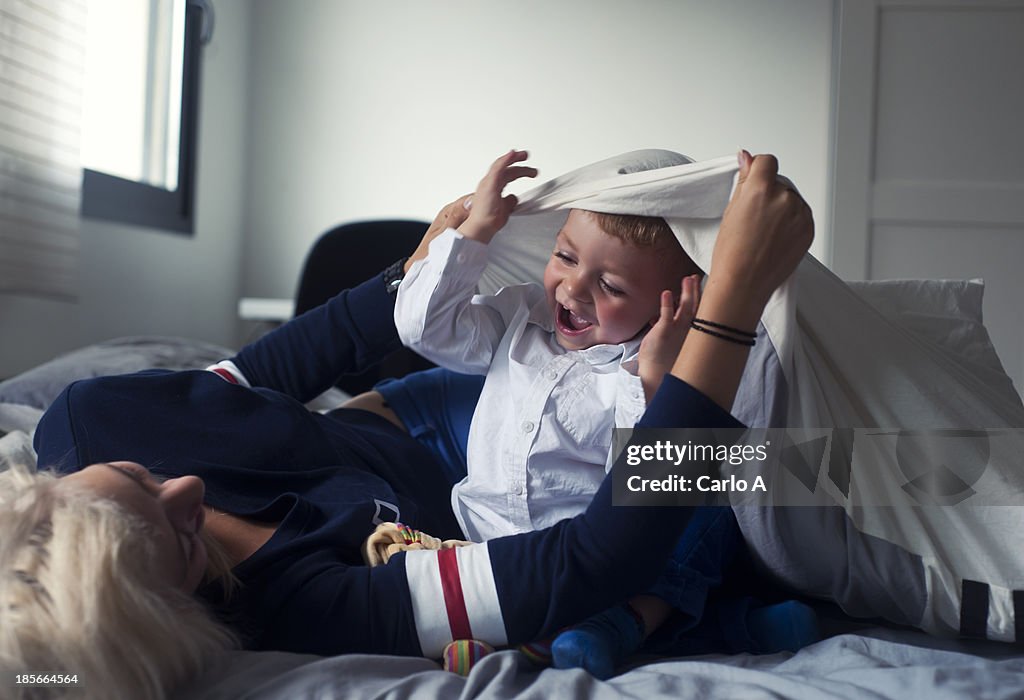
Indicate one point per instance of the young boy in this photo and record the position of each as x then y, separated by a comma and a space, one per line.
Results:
565, 363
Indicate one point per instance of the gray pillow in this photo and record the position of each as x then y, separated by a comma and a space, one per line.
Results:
39, 386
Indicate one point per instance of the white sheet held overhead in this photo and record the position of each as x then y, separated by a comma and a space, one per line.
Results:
898, 520
691, 196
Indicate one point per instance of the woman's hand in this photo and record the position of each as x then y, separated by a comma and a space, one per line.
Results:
661, 345
490, 210
451, 216
765, 231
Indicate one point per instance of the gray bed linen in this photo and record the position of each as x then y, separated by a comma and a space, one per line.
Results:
39, 386
873, 663
876, 663
18, 417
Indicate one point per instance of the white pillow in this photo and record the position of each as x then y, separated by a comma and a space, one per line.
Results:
948, 312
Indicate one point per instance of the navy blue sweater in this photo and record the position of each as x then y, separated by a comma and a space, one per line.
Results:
329, 479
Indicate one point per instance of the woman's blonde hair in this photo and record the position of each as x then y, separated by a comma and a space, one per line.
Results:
77, 597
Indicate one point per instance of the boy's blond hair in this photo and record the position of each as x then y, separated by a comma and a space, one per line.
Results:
640, 231
647, 232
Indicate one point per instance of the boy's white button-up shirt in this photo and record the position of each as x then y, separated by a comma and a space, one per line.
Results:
540, 437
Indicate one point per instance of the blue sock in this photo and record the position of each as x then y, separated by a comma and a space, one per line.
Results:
600, 643
788, 626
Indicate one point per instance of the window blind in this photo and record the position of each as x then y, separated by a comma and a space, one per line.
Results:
42, 57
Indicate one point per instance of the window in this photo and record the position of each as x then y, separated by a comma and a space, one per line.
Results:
140, 110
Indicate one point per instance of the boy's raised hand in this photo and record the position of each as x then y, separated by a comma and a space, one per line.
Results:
660, 347
489, 210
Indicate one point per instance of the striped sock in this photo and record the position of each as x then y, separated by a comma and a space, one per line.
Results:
539, 653
461, 655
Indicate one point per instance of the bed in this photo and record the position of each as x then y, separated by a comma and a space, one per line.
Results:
854, 660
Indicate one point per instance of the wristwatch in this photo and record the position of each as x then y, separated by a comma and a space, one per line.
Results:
393, 275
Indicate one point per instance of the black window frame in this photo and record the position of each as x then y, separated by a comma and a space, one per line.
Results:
112, 198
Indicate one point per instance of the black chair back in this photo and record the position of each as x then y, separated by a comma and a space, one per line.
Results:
347, 255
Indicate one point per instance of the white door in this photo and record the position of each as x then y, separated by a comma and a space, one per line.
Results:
929, 150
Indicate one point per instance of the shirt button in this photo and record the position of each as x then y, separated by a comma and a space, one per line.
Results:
550, 374
517, 489
527, 426
461, 257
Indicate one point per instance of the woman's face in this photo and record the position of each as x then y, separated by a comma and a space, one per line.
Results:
173, 509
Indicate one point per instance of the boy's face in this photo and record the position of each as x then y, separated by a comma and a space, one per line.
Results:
602, 290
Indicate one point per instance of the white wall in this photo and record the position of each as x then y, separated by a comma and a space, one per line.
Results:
324, 111
137, 281
366, 110
929, 163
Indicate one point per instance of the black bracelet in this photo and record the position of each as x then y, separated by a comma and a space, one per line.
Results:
749, 342
722, 326
393, 276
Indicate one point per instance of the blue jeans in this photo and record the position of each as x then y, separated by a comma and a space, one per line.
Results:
437, 406
706, 618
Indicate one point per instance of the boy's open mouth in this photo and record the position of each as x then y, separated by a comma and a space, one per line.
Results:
569, 323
